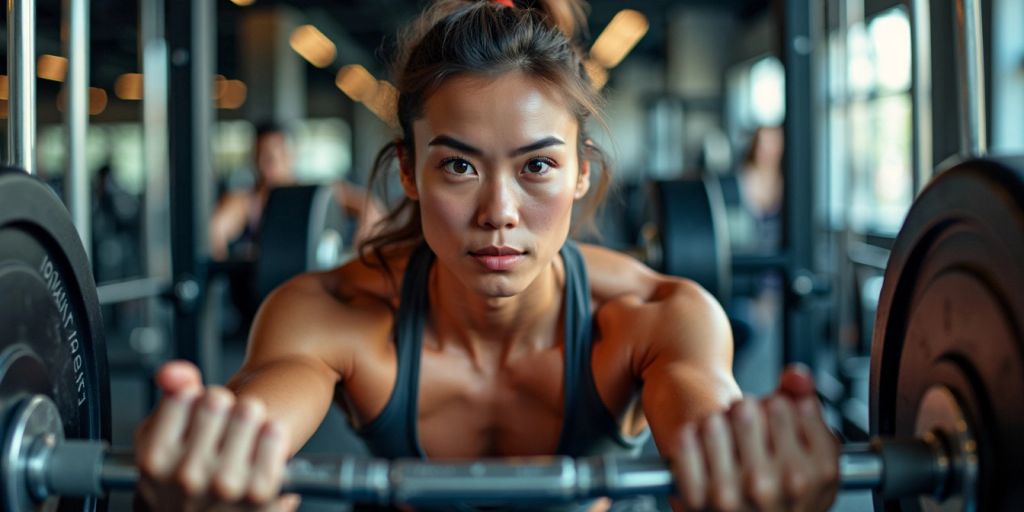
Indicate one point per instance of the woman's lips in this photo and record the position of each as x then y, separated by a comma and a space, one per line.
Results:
498, 258
499, 263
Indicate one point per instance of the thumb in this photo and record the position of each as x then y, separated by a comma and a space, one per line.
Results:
796, 382
177, 377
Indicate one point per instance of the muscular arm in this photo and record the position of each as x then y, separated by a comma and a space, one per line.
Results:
681, 343
287, 364
686, 366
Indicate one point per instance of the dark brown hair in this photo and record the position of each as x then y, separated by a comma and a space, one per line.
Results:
481, 37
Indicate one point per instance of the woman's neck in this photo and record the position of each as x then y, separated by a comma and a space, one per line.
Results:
493, 329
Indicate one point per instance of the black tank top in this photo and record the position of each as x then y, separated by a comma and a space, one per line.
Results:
588, 427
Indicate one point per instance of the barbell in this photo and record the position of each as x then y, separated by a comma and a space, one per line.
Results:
946, 375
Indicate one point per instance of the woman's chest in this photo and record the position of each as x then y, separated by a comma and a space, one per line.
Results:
468, 408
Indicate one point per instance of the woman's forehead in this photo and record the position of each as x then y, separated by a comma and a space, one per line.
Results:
510, 106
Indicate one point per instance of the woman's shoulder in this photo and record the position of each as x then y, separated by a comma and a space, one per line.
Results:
335, 315
617, 276
649, 310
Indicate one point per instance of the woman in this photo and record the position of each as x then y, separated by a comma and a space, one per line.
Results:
472, 327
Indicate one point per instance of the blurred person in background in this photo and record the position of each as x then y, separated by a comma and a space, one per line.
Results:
236, 219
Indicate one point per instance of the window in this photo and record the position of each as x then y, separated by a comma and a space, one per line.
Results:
870, 123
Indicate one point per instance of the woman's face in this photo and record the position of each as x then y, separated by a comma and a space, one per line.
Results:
496, 172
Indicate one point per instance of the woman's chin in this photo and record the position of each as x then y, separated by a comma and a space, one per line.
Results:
496, 286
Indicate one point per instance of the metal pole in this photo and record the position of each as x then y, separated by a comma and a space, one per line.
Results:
799, 18
76, 119
153, 49
191, 30
970, 64
21, 64
156, 220
922, 92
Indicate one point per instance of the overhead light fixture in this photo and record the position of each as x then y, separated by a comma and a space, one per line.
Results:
97, 100
619, 37
234, 95
356, 82
128, 86
384, 103
379, 96
313, 46
52, 67
597, 73
219, 85
243, 3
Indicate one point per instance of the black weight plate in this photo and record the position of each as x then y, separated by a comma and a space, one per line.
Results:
691, 235
51, 333
952, 313
301, 230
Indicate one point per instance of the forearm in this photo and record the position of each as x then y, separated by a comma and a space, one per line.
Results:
678, 394
296, 393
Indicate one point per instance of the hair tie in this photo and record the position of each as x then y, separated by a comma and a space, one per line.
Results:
506, 3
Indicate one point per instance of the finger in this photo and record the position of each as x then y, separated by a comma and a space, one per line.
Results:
788, 450
824, 449
205, 432
689, 469
177, 377
760, 486
159, 443
232, 475
796, 382
268, 464
723, 491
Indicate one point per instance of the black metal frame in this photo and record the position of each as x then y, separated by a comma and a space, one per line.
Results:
800, 20
191, 26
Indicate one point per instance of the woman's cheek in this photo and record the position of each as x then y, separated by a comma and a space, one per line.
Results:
550, 207
446, 209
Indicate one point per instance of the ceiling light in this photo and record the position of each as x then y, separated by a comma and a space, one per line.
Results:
313, 46
619, 37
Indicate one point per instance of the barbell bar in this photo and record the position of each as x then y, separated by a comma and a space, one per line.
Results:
39, 464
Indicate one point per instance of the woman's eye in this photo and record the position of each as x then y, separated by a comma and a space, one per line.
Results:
458, 167
537, 166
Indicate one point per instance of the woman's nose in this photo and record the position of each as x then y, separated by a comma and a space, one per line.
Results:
498, 206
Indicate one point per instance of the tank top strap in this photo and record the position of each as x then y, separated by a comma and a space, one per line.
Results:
578, 330
589, 428
413, 311
392, 434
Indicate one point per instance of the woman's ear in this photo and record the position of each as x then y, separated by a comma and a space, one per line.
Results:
406, 171
583, 180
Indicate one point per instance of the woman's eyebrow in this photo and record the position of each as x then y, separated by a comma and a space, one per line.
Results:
445, 140
540, 144
452, 142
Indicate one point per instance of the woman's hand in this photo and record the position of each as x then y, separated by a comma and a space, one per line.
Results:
770, 454
205, 449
